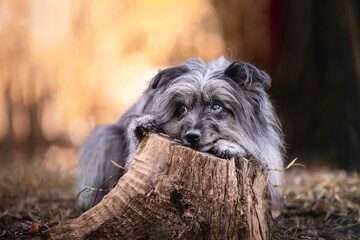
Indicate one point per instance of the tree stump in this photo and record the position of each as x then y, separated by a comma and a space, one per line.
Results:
174, 192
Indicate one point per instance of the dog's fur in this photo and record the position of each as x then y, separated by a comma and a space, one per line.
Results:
220, 107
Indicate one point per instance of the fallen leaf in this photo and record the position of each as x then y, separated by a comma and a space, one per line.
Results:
34, 228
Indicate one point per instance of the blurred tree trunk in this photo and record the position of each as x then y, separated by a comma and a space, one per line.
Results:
26, 92
315, 64
24, 129
319, 86
246, 29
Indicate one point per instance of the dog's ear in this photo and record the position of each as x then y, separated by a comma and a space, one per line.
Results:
165, 76
246, 74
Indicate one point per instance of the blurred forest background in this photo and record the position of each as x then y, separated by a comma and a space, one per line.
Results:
67, 66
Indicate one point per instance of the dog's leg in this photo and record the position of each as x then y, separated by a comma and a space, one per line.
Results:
106, 143
135, 133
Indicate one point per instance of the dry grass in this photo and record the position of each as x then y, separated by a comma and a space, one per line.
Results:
32, 192
319, 204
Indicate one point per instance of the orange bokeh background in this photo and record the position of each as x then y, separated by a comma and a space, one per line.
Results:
76, 64
67, 66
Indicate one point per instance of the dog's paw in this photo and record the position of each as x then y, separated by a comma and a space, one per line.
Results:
139, 127
228, 150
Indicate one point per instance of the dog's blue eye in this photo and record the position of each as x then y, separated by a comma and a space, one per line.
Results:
216, 108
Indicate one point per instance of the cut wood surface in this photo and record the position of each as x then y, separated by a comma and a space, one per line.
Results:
174, 192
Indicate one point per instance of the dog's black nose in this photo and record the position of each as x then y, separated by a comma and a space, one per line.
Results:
193, 136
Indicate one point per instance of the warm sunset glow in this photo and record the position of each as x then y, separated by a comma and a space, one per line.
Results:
82, 63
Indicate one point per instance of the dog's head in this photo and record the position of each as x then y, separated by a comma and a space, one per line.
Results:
221, 107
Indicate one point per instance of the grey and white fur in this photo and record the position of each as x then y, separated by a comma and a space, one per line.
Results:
220, 108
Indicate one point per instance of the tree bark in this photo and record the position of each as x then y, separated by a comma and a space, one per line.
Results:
174, 192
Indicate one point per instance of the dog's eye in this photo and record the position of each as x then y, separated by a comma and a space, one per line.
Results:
216, 108
182, 110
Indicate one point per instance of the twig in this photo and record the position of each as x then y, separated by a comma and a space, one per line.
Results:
100, 188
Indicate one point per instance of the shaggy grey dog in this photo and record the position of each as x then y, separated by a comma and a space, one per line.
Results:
220, 108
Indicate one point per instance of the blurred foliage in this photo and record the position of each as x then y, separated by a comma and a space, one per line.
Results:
68, 66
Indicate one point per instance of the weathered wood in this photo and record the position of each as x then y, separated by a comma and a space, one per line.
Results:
173, 192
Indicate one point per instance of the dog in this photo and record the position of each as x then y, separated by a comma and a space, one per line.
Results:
220, 108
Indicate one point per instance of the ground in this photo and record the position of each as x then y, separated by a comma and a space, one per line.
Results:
319, 203
34, 197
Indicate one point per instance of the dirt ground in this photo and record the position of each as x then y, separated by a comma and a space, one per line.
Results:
318, 203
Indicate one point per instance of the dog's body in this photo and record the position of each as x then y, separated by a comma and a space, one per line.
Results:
221, 108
